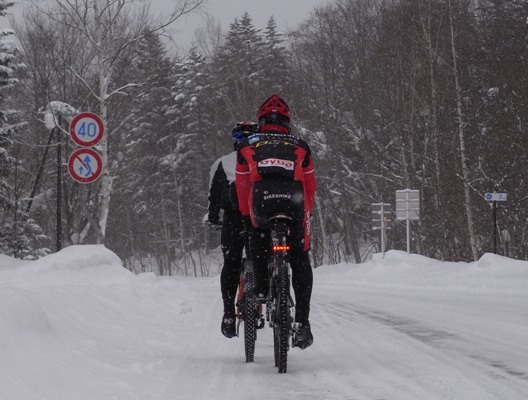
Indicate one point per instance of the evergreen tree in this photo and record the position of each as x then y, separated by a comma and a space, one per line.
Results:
140, 225
239, 71
501, 102
195, 144
275, 67
8, 164
17, 231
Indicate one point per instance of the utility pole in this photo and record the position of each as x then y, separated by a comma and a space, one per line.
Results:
59, 185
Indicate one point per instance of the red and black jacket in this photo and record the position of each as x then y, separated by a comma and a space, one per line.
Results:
273, 155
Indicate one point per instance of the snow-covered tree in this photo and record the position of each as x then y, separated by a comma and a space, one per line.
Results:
111, 30
17, 231
142, 221
196, 128
276, 73
7, 162
239, 70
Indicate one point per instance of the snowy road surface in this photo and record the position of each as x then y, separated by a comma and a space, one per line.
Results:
76, 325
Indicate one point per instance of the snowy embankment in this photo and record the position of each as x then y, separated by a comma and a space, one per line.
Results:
77, 325
492, 273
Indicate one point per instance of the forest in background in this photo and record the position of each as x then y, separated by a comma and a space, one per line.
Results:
429, 95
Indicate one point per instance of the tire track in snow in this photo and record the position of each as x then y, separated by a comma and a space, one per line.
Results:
503, 381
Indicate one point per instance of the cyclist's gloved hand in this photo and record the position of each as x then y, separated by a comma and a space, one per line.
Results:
214, 220
211, 219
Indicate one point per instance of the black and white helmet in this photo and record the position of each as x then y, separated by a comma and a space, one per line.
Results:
243, 130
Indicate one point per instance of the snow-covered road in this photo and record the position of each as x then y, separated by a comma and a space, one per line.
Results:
398, 328
379, 343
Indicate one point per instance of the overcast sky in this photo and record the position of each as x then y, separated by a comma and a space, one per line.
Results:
288, 14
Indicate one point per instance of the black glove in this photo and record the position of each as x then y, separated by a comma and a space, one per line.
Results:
214, 220
211, 219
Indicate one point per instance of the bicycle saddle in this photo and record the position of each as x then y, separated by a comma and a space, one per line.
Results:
278, 217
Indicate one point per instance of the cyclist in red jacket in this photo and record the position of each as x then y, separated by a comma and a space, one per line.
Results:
275, 173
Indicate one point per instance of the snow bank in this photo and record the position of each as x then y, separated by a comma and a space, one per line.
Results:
400, 270
74, 265
72, 323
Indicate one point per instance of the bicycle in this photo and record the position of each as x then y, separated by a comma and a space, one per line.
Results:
280, 307
248, 310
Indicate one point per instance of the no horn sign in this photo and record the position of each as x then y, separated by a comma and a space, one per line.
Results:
85, 165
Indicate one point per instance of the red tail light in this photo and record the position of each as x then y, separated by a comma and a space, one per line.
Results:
281, 248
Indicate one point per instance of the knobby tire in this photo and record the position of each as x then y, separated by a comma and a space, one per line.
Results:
250, 317
283, 328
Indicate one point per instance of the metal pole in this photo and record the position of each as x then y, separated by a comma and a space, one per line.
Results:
39, 172
494, 227
408, 223
382, 232
408, 235
59, 186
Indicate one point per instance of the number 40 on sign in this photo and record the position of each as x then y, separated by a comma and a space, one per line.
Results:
87, 129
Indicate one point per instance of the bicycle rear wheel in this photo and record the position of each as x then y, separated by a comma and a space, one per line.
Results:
250, 317
281, 329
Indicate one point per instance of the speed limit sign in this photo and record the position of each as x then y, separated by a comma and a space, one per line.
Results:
87, 129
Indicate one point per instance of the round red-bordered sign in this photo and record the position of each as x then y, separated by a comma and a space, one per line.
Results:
87, 129
85, 165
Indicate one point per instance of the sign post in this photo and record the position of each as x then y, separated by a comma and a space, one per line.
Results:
495, 197
408, 208
381, 219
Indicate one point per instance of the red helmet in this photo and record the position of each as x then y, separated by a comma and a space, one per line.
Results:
274, 115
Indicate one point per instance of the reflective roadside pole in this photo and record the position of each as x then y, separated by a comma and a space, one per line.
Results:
381, 220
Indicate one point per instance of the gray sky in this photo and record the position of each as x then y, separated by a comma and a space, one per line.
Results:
288, 14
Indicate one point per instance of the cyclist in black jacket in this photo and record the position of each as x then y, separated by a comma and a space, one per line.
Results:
222, 196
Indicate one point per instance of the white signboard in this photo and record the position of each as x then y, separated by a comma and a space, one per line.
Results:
496, 196
407, 204
381, 216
